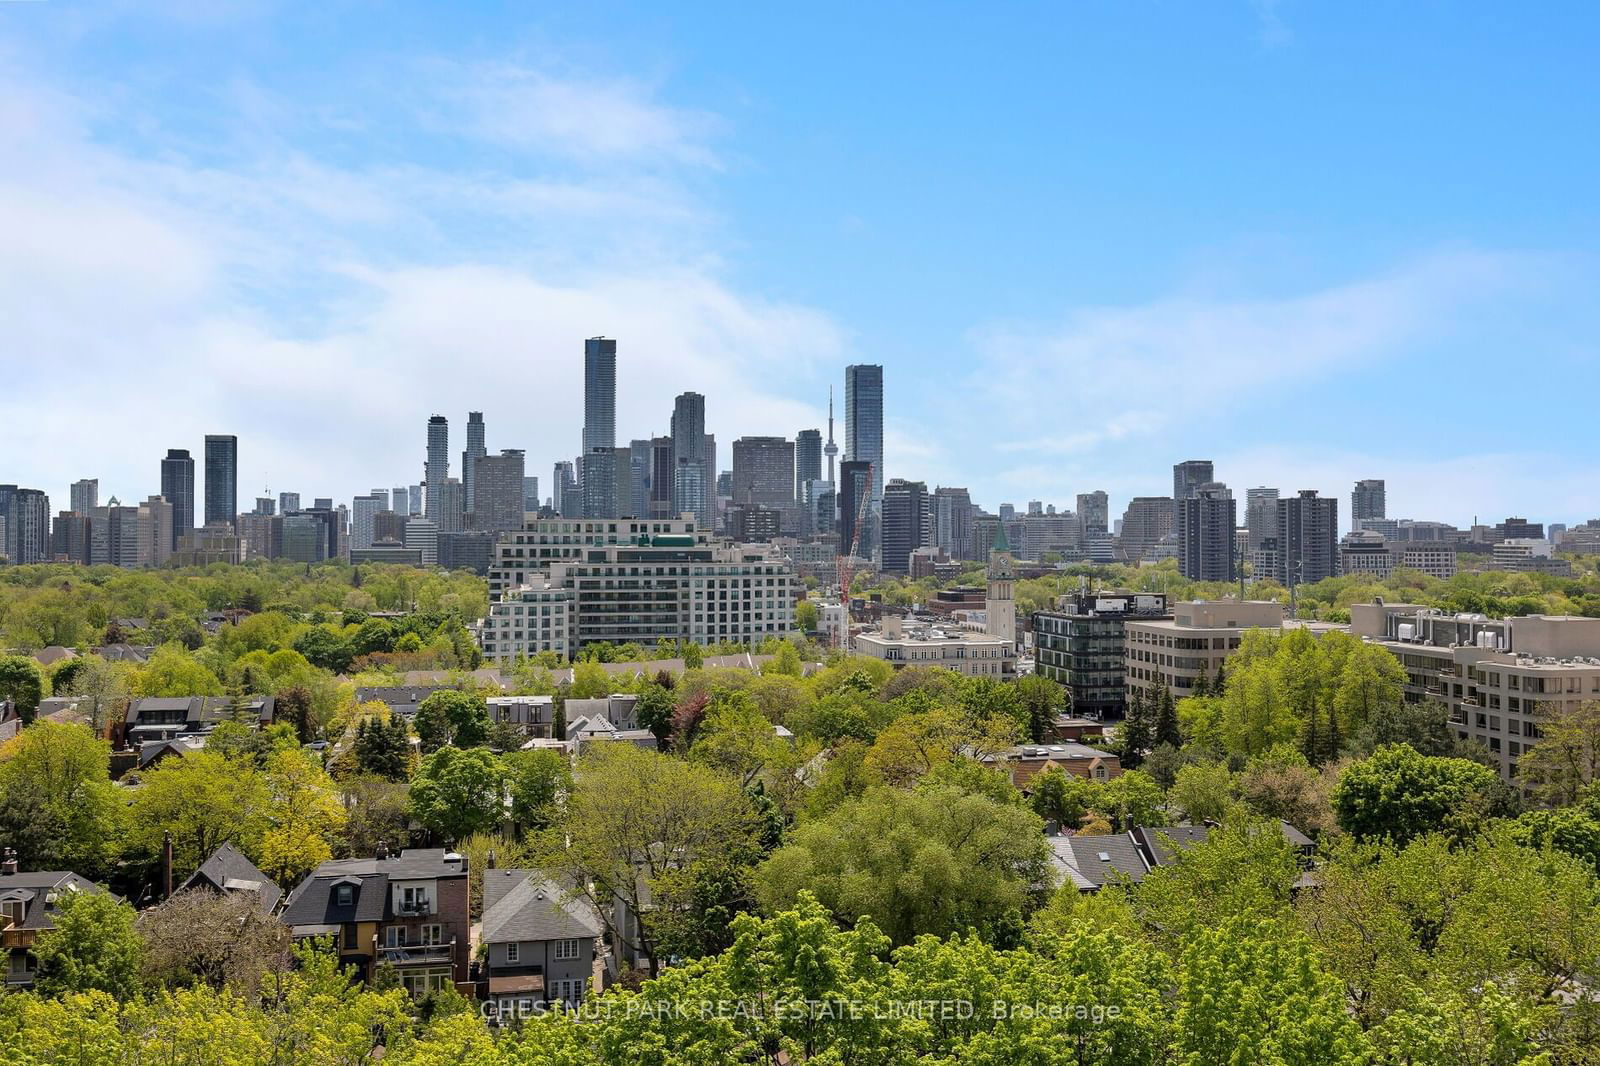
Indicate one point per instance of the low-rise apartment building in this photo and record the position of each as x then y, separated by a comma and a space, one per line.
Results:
968, 652
1499, 678
1080, 646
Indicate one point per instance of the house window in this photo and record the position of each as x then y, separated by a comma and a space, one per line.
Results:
394, 937
346, 895
513, 952
13, 910
567, 949
570, 992
433, 935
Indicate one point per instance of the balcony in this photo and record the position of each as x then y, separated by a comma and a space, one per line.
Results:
414, 907
418, 954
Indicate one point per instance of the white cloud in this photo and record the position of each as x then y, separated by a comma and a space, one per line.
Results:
589, 119
322, 313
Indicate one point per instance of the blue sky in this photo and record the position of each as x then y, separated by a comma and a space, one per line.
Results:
1313, 242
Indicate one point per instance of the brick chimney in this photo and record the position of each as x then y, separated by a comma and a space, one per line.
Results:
9, 864
490, 864
383, 849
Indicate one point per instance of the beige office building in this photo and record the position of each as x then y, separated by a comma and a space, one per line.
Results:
1499, 678
1175, 652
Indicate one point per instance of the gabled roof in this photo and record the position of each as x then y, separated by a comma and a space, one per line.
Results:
523, 905
227, 870
315, 903
1100, 859
34, 889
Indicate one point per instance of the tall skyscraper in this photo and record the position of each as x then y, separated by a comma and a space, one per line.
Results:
1261, 516
763, 471
1146, 522
1366, 501
363, 512
1308, 538
564, 491
1094, 511
907, 522
469, 458
855, 509
414, 498
25, 521
222, 478
530, 493
1188, 476
499, 491
661, 478
451, 517
807, 460
952, 522
400, 500
177, 488
863, 419
694, 475
437, 468
85, 495
641, 472
599, 394
1205, 527
287, 501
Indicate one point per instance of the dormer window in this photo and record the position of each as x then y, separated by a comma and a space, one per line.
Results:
345, 895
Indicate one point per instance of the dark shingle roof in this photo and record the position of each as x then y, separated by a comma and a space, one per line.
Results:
523, 905
34, 889
314, 901
227, 870
1082, 855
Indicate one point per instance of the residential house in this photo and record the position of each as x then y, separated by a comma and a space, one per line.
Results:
166, 718
1092, 861
1079, 760
407, 911
532, 716
619, 709
28, 904
540, 942
402, 700
228, 871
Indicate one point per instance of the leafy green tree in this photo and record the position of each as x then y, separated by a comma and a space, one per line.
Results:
536, 781
325, 649
1166, 721
806, 616
172, 671
1280, 784
1132, 799
1566, 758
22, 683
92, 946
693, 657
1136, 735
786, 661
450, 716
383, 748
202, 799
636, 828
58, 807
1203, 791
102, 687
457, 792
930, 861
1041, 698
1060, 797
1398, 795
374, 635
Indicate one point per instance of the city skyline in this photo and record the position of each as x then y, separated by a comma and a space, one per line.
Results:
1303, 305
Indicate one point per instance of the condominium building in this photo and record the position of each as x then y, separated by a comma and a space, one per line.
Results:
907, 523
1093, 512
1173, 653
222, 478
85, 495
599, 394
1308, 538
1080, 646
25, 520
1205, 523
475, 450
965, 651
1367, 503
437, 466
952, 522
807, 460
637, 581
177, 488
1188, 476
498, 493
1261, 515
763, 471
1145, 524
1500, 679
